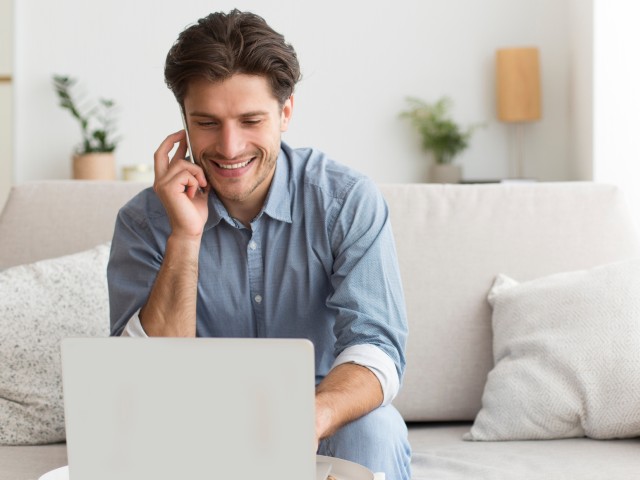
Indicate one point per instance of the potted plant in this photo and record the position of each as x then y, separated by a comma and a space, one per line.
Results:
440, 135
94, 158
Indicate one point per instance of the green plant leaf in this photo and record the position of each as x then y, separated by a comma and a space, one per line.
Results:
96, 124
440, 134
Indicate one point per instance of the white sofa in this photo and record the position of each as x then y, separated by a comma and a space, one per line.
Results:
452, 242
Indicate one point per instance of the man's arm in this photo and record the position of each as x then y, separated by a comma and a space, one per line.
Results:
171, 307
347, 393
370, 323
170, 310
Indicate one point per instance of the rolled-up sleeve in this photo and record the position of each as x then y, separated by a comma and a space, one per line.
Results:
379, 363
367, 290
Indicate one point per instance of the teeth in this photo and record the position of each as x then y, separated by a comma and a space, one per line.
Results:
235, 165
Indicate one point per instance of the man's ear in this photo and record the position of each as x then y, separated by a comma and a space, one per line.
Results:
287, 112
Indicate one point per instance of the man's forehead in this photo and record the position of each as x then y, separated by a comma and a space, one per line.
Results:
241, 114
239, 90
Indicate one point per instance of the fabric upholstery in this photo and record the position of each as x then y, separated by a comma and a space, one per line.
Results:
52, 218
567, 357
32, 461
453, 240
440, 453
40, 304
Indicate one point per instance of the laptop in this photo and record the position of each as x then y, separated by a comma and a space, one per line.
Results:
198, 408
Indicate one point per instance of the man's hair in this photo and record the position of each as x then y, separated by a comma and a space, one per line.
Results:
221, 45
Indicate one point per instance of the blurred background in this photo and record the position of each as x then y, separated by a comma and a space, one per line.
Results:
360, 60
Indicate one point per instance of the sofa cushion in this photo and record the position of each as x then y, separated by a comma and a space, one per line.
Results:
438, 452
453, 240
567, 356
30, 462
40, 304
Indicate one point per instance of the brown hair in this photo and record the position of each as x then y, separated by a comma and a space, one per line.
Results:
221, 45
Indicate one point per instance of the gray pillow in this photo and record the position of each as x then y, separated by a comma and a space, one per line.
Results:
567, 357
40, 304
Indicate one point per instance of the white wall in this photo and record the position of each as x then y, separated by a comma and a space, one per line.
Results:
360, 59
617, 96
6, 99
580, 165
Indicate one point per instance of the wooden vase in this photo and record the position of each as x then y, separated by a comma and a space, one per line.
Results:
94, 166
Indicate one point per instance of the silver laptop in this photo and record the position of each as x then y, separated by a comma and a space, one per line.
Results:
168, 408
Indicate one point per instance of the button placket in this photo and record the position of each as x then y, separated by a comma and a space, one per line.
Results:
256, 280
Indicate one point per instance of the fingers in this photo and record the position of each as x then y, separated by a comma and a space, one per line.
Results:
182, 150
180, 176
161, 159
178, 183
183, 174
193, 188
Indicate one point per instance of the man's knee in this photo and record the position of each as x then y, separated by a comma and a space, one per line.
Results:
383, 425
378, 441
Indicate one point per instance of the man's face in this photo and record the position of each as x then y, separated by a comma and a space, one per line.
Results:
235, 128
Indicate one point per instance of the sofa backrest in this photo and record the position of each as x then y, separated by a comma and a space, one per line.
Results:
46, 219
452, 241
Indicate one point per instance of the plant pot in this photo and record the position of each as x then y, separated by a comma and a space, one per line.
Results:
94, 166
445, 173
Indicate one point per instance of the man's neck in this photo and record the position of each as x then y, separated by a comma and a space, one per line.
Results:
246, 210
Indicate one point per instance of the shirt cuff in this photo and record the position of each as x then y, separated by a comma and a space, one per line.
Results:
378, 362
133, 328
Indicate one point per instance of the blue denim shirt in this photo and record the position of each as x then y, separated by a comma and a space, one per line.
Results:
318, 262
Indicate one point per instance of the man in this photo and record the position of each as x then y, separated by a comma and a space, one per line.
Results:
256, 239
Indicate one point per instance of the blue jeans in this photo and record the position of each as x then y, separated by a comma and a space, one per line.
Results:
378, 441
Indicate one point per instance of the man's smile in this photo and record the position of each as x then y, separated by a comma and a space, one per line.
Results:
234, 166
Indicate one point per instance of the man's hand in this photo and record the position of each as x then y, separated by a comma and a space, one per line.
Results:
171, 307
347, 393
178, 183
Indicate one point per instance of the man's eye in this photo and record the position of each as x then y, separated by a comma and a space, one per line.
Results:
207, 124
251, 122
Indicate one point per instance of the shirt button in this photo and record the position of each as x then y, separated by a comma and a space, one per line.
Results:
253, 245
258, 298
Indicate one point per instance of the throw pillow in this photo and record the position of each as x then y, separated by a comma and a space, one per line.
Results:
567, 357
40, 304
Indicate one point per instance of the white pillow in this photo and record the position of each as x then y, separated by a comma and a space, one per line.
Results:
40, 304
567, 357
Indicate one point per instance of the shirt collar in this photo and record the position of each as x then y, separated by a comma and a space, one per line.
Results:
277, 205
278, 202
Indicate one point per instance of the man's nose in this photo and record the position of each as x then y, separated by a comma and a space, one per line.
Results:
230, 142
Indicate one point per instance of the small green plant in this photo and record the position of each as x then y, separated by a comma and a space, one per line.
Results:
96, 120
440, 134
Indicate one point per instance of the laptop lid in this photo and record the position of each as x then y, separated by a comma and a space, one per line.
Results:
176, 408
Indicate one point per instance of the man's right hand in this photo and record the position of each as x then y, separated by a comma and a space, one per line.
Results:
171, 307
182, 188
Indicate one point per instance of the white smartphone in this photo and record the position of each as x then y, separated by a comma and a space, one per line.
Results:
189, 151
184, 124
